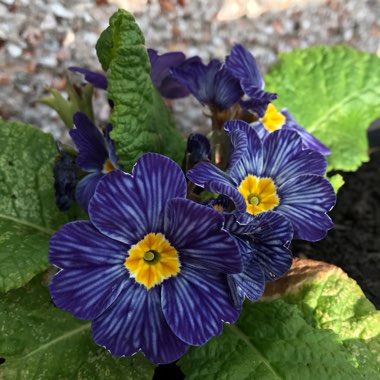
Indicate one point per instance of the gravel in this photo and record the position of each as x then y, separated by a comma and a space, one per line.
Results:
39, 39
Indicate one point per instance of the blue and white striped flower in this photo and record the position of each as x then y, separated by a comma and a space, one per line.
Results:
150, 267
276, 174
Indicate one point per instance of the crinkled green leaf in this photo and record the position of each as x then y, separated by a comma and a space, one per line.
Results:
334, 93
39, 341
28, 214
141, 121
314, 323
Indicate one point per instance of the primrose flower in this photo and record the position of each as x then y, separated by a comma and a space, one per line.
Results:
263, 243
276, 174
211, 84
149, 267
96, 155
242, 66
160, 73
274, 120
198, 149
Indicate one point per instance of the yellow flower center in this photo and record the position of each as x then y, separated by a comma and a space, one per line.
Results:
152, 260
218, 208
273, 120
108, 166
260, 194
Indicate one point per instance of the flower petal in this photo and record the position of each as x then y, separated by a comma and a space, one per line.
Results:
252, 161
309, 141
127, 207
205, 172
305, 201
90, 143
251, 280
79, 245
271, 240
195, 303
196, 233
98, 80
229, 191
87, 292
136, 323
86, 189
242, 65
239, 143
285, 159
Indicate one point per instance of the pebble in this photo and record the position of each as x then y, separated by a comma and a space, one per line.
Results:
13, 50
43, 37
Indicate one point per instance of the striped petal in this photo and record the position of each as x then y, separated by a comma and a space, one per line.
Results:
242, 65
229, 191
136, 323
252, 161
285, 159
80, 245
116, 210
90, 143
271, 240
250, 281
239, 143
205, 172
305, 201
87, 292
86, 189
127, 207
195, 231
195, 303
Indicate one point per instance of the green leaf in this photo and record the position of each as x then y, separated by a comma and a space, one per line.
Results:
39, 341
315, 323
336, 181
28, 214
141, 121
78, 100
334, 93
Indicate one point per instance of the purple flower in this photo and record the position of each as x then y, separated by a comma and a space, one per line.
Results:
242, 66
160, 73
276, 174
263, 243
211, 84
98, 80
96, 155
149, 268
274, 120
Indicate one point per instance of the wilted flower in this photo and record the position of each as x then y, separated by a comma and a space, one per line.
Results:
149, 268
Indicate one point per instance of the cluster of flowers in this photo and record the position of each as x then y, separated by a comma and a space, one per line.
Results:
157, 272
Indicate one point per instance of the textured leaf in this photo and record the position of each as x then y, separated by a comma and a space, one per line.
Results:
333, 92
141, 121
39, 341
314, 323
28, 215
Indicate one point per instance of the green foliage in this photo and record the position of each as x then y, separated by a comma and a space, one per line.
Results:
28, 215
336, 181
334, 93
78, 100
39, 341
320, 327
141, 121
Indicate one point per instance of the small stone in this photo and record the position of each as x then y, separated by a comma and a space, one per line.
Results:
47, 61
49, 22
13, 50
60, 11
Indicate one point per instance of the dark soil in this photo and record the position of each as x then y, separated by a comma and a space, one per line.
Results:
354, 242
